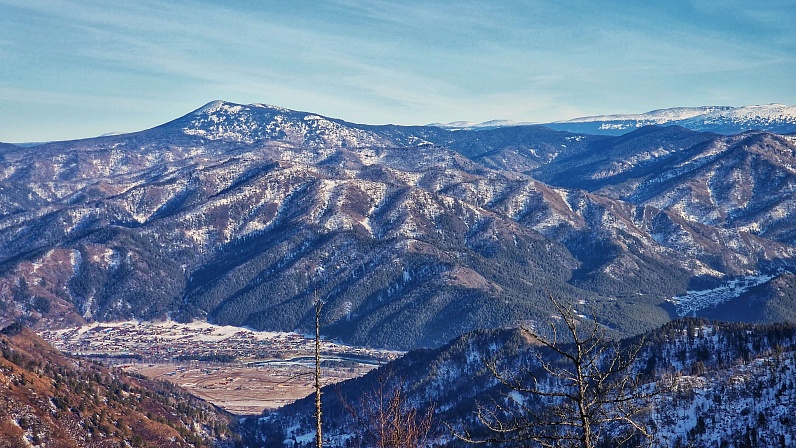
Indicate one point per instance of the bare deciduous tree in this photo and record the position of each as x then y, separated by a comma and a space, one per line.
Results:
580, 390
386, 418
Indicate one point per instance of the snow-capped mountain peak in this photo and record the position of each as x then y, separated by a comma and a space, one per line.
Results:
210, 107
222, 106
248, 123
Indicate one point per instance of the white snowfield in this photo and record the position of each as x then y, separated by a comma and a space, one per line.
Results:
697, 117
658, 116
694, 301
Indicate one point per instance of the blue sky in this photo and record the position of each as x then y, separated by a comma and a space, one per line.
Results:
72, 69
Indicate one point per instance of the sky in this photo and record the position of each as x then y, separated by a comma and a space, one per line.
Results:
80, 68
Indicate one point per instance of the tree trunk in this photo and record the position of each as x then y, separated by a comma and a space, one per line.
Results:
319, 437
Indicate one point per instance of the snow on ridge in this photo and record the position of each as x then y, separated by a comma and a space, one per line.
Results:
503, 123
732, 288
768, 112
228, 107
461, 124
657, 116
270, 106
210, 107
491, 124
705, 114
221, 120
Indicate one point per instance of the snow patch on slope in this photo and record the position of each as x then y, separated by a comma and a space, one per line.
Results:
694, 301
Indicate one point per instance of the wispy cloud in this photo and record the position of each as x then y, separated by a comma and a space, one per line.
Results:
400, 61
51, 98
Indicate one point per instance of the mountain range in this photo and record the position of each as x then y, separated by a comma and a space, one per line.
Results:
777, 118
243, 214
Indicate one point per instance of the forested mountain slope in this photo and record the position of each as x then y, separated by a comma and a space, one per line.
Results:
47, 399
722, 385
412, 235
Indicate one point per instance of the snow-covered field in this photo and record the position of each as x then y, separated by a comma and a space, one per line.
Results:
694, 301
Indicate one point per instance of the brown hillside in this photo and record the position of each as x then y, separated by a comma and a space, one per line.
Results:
48, 399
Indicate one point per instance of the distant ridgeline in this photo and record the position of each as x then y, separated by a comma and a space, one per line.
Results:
777, 118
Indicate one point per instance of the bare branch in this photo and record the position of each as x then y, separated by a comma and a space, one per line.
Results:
581, 390
386, 418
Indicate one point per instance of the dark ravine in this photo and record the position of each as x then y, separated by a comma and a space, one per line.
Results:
413, 235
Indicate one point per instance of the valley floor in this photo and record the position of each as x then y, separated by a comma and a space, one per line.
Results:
240, 370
